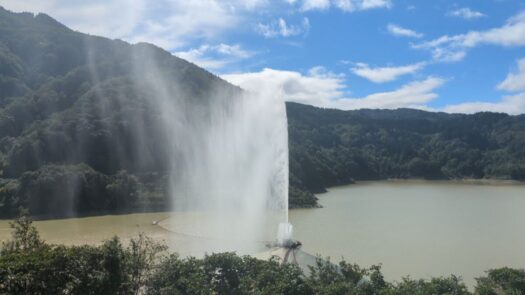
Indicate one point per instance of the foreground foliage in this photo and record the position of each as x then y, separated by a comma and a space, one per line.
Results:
30, 266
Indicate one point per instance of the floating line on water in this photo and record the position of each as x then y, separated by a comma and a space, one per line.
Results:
201, 237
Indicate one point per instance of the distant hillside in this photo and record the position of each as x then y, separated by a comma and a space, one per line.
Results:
76, 129
333, 147
73, 127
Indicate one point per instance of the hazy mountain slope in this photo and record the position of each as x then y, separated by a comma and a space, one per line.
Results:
78, 127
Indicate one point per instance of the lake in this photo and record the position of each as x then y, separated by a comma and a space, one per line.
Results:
416, 228
419, 228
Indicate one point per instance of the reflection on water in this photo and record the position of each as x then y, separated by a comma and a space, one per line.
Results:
419, 229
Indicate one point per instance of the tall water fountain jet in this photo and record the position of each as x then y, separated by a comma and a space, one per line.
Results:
235, 177
229, 163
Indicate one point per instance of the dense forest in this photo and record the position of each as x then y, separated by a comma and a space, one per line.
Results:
333, 147
78, 133
30, 266
73, 120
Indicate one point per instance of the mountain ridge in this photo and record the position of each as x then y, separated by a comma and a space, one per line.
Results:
70, 113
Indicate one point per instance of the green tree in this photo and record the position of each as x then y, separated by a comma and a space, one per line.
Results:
25, 236
502, 281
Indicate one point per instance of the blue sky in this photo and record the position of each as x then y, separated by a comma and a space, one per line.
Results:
454, 56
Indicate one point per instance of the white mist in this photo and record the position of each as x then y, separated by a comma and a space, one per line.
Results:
229, 163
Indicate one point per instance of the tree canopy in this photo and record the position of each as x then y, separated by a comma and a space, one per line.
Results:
333, 147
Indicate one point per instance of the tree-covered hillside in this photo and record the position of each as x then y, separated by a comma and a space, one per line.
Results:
333, 147
78, 134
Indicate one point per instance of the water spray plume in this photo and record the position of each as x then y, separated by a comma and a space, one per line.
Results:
228, 163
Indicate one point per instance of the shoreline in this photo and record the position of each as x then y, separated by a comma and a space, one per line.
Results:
460, 181
464, 181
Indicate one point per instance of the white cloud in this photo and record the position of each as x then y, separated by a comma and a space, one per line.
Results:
385, 74
213, 57
233, 50
454, 48
515, 81
282, 29
321, 88
370, 4
412, 95
315, 5
511, 104
95, 17
514, 104
402, 32
316, 87
170, 24
344, 5
466, 13
178, 24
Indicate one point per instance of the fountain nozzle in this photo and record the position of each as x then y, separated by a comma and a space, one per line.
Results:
284, 238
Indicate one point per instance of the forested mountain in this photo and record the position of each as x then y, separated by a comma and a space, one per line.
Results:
72, 126
332, 147
76, 129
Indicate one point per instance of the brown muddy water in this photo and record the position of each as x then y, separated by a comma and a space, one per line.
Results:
416, 228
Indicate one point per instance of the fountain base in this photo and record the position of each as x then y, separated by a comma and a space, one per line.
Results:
289, 252
287, 244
